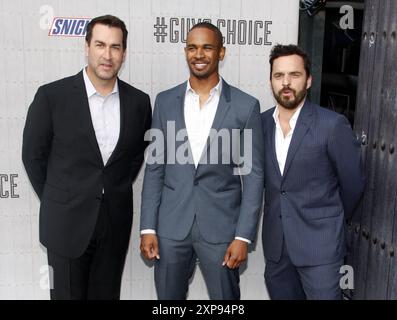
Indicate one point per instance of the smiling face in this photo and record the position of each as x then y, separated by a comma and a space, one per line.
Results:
203, 53
105, 53
289, 81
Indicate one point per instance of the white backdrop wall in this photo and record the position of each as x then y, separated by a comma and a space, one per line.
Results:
30, 57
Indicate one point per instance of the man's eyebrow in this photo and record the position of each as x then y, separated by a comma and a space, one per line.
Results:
113, 44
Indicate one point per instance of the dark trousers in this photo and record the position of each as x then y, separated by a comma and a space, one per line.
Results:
285, 281
96, 275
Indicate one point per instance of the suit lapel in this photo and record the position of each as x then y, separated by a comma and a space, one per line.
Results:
180, 123
85, 115
124, 102
271, 140
180, 109
223, 107
302, 126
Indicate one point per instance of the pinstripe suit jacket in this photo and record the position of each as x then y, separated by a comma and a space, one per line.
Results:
321, 185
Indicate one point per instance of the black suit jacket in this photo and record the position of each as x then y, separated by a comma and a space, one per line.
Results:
64, 164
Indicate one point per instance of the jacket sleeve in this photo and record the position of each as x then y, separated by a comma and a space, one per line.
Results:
138, 159
252, 174
344, 152
154, 173
37, 140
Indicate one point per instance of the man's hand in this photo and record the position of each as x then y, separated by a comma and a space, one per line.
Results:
149, 246
236, 254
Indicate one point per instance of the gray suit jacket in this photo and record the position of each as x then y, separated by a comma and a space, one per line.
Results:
226, 205
321, 186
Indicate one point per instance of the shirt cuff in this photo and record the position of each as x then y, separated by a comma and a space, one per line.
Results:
148, 231
239, 238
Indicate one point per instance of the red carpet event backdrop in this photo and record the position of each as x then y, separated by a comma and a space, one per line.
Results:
42, 41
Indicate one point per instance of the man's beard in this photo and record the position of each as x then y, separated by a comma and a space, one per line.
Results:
106, 76
200, 75
289, 102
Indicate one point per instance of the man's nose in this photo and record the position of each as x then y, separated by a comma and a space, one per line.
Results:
107, 53
199, 53
286, 80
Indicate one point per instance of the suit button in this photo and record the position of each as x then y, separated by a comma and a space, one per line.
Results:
195, 183
283, 192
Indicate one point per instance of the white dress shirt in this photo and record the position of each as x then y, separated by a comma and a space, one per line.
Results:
282, 143
198, 122
105, 116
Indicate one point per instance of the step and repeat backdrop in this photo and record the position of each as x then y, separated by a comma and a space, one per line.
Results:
42, 41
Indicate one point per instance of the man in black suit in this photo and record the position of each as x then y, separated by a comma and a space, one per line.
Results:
83, 146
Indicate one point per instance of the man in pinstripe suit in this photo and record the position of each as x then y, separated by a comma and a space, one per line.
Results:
313, 182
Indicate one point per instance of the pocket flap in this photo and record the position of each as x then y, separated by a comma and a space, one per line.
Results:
55, 194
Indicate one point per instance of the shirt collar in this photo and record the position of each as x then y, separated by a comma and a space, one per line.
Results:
90, 87
217, 89
294, 118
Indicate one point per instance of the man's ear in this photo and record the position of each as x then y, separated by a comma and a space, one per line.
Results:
222, 53
309, 82
86, 48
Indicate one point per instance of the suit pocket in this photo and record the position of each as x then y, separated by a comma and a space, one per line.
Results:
311, 149
227, 190
168, 186
55, 194
322, 213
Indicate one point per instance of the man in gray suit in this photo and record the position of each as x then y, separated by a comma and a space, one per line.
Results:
201, 195
313, 182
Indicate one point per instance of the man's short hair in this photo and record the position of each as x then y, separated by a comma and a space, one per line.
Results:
280, 50
110, 21
211, 27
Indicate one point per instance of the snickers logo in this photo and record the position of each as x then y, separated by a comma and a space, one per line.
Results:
69, 27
